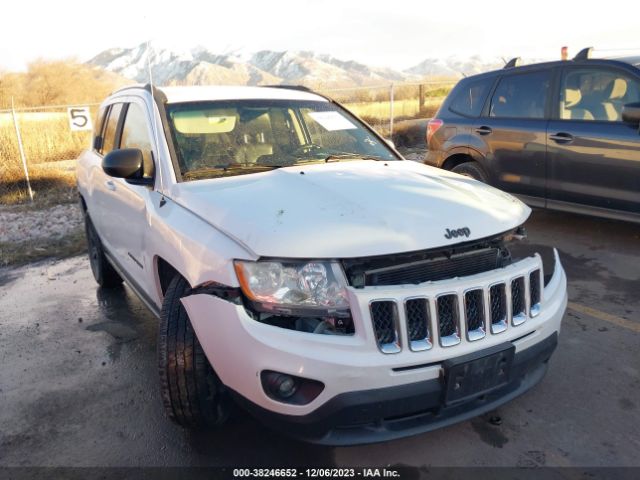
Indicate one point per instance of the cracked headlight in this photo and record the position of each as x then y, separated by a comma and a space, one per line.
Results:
292, 287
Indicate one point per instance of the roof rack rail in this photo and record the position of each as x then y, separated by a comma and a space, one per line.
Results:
146, 87
584, 54
302, 88
514, 62
290, 87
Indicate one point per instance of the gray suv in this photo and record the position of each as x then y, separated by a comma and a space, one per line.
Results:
562, 135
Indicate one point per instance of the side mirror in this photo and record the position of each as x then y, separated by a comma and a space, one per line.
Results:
631, 113
126, 163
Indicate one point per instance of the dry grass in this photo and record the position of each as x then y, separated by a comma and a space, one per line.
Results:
46, 138
50, 186
374, 106
13, 254
376, 112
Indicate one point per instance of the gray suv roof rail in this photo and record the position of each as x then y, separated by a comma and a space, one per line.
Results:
584, 54
514, 62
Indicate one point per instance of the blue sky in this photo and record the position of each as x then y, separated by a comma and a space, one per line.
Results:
397, 33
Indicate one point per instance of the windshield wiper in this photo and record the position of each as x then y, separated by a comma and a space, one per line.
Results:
339, 157
226, 170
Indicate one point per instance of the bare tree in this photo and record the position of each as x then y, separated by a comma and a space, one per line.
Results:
57, 82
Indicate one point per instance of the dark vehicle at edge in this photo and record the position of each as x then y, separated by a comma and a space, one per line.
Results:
562, 135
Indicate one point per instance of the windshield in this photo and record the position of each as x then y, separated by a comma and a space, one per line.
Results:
215, 139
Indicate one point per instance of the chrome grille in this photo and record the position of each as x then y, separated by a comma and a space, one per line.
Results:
498, 303
448, 319
478, 311
384, 315
417, 316
534, 293
474, 313
518, 301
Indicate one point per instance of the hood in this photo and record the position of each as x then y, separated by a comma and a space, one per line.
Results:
350, 209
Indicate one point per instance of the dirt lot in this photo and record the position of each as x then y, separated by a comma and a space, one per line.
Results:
79, 385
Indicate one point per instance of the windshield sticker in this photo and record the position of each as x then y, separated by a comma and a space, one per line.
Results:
332, 121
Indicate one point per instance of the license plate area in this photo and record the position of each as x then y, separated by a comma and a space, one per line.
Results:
478, 373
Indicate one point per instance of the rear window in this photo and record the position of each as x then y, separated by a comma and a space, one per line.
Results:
469, 97
521, 96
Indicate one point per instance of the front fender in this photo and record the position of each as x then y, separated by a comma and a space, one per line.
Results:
197, 250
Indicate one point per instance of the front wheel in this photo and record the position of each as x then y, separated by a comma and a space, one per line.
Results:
192, 393
473, 170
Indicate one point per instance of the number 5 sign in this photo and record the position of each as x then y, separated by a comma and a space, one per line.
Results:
79, 118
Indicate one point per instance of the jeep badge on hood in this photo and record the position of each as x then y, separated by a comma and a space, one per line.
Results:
464, 231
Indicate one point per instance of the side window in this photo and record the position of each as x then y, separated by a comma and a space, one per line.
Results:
110, 129
98, 125
521, 95
135, 134
469, 98
596, 94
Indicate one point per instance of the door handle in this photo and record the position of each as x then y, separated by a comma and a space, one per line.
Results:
562, 137
110, 185
484, 130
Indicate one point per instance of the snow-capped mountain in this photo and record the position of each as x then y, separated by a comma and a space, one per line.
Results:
456, 66
315, 69
202, 66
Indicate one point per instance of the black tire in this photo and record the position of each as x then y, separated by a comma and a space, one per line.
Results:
103, 271
473, 170
192, 393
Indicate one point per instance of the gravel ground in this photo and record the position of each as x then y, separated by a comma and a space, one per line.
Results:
18, 224
415, 154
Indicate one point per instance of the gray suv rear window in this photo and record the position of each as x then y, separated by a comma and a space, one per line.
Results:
470, 97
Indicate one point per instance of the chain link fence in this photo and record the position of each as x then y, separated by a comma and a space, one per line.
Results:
387, 106
50, 146
38, 149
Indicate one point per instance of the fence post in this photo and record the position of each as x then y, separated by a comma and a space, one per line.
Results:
391, 111
22, 155
421, 97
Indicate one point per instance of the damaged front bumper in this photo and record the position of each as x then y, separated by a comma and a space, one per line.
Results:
370, 396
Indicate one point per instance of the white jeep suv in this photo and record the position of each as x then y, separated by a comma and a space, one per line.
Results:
301, 268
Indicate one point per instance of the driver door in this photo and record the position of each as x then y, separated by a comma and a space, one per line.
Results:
127, 204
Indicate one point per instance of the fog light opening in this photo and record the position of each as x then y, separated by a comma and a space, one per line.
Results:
283, 386
287, 388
